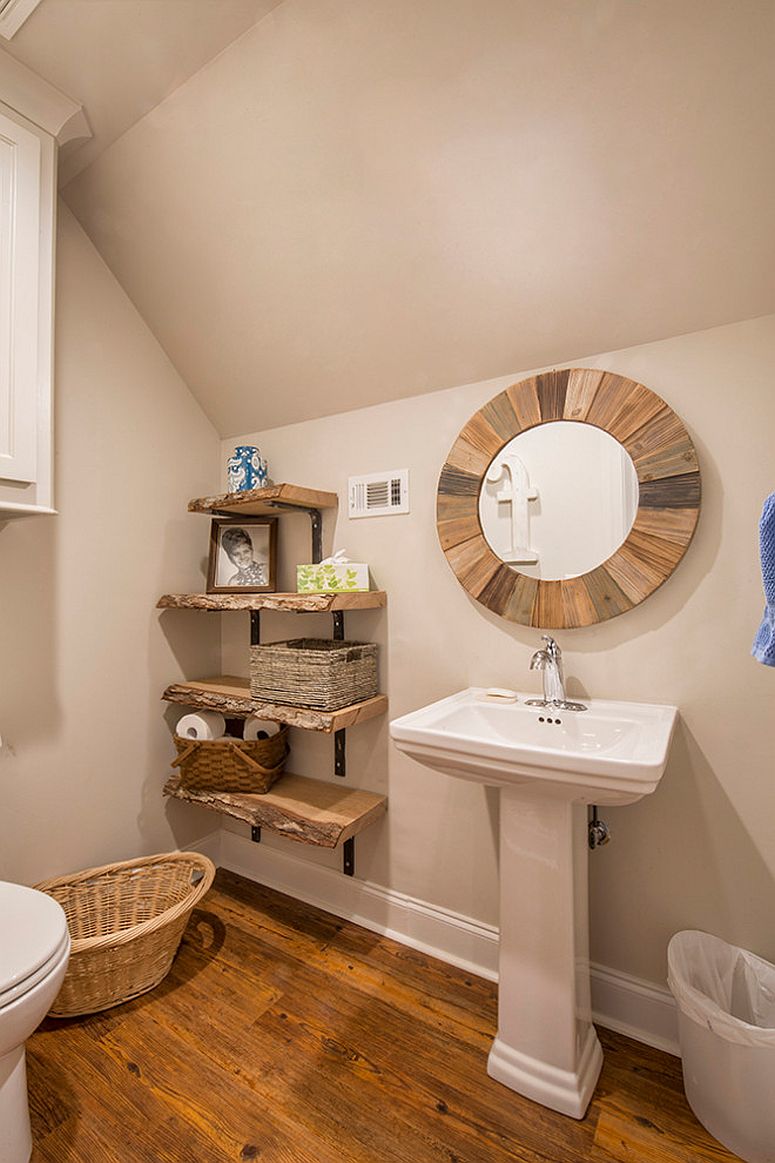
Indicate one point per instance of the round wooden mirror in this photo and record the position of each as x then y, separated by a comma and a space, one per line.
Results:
568, 527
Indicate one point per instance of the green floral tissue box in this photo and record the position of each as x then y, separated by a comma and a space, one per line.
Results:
332, 576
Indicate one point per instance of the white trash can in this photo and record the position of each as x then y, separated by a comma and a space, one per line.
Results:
726, 1027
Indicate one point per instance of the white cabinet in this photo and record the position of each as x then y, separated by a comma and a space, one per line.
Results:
27, 174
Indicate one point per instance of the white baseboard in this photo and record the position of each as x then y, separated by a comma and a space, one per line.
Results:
462, 941
209, 845
640, 1009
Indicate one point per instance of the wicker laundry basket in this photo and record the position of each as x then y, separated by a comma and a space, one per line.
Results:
321, 673
126, 921
237, 765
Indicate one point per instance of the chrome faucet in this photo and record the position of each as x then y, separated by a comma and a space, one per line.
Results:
549, 662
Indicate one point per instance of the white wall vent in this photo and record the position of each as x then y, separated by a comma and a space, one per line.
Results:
379, 494
13, 14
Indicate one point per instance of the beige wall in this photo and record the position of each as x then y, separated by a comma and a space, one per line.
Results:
84, 654
701, 851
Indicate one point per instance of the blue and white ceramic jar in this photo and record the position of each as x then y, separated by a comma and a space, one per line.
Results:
247, 469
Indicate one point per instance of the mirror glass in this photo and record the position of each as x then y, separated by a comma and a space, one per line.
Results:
558, 500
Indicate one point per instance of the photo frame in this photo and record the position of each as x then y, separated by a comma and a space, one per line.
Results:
243, 555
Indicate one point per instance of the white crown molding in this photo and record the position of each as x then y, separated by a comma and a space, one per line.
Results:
11, 509
13, 15
640, 1009
27, 93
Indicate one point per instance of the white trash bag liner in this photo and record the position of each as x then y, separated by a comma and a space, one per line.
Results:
729, 990
726, 1004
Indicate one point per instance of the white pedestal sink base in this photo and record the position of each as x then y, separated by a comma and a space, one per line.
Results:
566, 1091
546, 1048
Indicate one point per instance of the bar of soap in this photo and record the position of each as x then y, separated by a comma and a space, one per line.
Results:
497, 694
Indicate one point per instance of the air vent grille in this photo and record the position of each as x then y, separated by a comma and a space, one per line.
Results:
379, 494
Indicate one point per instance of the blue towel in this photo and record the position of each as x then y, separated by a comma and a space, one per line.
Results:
764, 643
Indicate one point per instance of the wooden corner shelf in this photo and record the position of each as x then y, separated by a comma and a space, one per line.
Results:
260, 502
311, 811
292, 603
231, 696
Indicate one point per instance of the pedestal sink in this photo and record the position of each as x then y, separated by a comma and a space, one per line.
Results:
548, 765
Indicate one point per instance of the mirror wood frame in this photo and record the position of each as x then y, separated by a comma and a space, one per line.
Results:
668, 502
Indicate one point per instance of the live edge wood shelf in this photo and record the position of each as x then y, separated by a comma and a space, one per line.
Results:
310, 810
289, 603
259, 502
231, 696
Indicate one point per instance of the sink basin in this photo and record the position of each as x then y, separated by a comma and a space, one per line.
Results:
612, 753
547, 765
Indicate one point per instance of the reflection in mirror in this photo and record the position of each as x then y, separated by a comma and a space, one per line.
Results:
558, 500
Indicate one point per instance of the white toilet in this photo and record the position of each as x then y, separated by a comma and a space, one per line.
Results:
34, 951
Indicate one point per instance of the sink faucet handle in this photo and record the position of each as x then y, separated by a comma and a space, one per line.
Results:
552, 647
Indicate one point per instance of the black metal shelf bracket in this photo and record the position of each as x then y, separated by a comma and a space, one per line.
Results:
255, 627
316, 520
340, 758
348, 850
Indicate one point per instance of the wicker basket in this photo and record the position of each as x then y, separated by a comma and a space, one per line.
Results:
239, 765
126, 921
314, 672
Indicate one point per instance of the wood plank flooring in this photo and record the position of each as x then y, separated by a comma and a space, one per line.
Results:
288, 1035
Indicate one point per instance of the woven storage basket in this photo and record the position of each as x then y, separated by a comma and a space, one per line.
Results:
314, 672
239, 765
126, 921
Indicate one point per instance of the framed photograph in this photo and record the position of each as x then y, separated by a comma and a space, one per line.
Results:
243, 555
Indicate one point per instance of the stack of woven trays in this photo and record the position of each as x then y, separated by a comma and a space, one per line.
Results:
320, 673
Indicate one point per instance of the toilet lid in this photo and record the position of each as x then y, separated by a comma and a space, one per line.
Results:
22, 987
32, 929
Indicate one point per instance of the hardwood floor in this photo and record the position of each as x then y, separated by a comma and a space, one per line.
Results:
287, 1035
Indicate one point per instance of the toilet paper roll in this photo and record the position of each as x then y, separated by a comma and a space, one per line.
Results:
202, 725
256, 728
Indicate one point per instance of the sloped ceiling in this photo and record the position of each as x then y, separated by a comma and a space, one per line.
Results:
120, 58
362, 201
